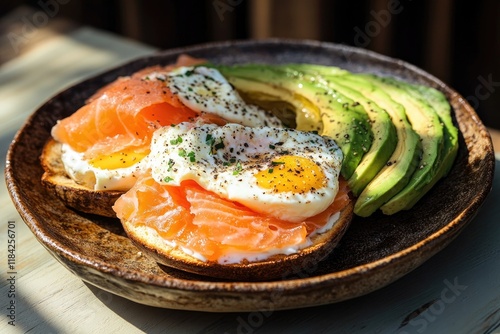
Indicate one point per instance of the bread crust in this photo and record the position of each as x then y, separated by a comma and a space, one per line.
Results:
74, 195
295, 265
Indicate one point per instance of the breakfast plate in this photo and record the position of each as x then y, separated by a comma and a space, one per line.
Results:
374, 252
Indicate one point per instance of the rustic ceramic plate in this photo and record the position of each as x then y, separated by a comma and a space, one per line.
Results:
373, 253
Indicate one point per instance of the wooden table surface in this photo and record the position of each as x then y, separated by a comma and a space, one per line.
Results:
456, 291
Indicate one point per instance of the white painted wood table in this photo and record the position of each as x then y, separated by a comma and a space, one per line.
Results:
456, 291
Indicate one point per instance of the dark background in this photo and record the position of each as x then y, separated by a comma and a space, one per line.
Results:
457, 41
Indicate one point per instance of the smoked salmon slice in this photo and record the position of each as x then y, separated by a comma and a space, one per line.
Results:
125, 113
211, 226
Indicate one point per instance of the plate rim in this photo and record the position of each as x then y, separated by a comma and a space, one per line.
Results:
454, 227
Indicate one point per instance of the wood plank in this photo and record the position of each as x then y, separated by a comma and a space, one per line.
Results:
286, 18
130, 14
438, 37
260, 19
382, 42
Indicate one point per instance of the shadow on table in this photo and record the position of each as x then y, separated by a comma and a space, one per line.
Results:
22, 317
443, 287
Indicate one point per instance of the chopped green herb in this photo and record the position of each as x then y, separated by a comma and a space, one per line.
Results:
229, 162
191, 155
176, 141
238, 168
270, 170
168, 179
272, 147
209, 140
277, 163
170, 164
219, 146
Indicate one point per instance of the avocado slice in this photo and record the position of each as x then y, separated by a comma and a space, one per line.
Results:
384, 142
413, 139
344, 119
323, 70
396, 174
384, 131
426, 123
442, 107
292, 110
449, 150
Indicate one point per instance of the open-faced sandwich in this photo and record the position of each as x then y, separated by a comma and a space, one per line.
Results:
248, 171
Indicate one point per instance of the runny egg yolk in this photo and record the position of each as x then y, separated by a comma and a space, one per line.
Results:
117, 160
291, 174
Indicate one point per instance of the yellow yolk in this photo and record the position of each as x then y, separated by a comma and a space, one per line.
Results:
118, 171
118, 160
292, 174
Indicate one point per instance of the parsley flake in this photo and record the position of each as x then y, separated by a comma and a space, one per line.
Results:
170, 164
209, 140
176, 141
219, 146
238, 168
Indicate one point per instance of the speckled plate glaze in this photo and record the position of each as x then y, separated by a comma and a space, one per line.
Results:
373, 253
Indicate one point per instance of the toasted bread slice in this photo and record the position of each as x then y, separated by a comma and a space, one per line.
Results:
71, 193
295, 265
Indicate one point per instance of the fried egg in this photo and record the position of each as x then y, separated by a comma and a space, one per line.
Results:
201, 89
283, 173
205, 89
118, 171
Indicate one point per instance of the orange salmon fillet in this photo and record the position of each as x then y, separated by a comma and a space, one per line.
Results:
124, 114
202, 221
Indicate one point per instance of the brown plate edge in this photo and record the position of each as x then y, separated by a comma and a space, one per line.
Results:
291, 291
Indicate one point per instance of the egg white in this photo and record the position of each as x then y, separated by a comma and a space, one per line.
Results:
205, 89
83, 173
225, 160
